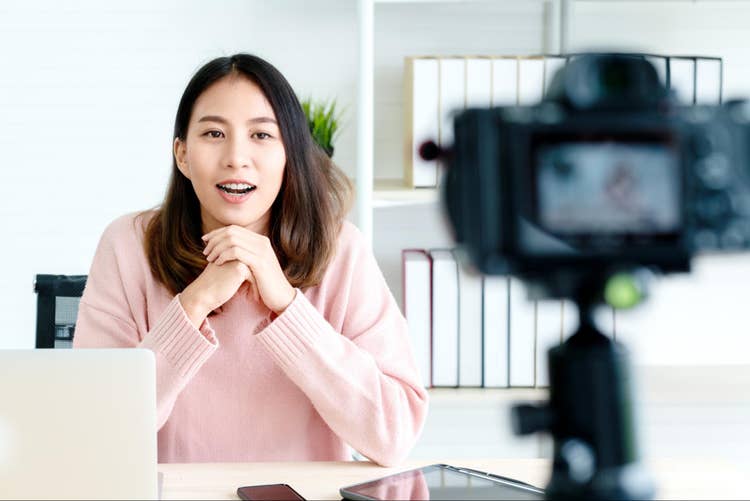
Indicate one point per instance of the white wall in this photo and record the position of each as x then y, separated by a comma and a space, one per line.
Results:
88, 93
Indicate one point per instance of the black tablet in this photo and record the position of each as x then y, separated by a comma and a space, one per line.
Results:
441, 481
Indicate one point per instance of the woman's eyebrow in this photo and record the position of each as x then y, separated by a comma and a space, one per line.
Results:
222, 120
262, 120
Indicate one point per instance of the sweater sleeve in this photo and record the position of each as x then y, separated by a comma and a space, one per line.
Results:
112, 314
363, 380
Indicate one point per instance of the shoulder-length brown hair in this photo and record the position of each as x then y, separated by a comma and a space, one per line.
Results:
305, 217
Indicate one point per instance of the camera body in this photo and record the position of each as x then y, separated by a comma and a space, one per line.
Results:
606, 173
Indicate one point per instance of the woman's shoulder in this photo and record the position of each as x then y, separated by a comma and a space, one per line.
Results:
350, 239
352, 250
128, 230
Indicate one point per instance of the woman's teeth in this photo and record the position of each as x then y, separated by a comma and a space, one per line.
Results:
236, 188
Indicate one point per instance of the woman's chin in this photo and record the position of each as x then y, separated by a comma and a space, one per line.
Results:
253, 224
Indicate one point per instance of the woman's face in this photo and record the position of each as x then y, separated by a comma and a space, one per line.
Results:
233, 155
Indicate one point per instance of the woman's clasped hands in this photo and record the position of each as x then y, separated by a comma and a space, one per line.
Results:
235, 243
237, 255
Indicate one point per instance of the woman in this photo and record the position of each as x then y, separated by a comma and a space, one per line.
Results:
275, 335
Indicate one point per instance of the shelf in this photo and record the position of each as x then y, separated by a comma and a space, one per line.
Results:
393, 193
722, 385
431, 1
492, 396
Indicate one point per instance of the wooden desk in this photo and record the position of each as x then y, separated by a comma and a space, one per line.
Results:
677, 479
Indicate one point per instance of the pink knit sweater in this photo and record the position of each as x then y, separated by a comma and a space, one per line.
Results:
335, 368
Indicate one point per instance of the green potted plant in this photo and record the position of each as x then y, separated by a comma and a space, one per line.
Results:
323, 119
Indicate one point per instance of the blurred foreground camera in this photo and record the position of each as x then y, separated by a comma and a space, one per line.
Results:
606, 171
581, 196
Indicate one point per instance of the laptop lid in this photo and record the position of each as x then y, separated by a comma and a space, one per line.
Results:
78, 424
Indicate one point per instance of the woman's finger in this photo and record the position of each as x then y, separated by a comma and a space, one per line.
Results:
237, 254
211, 234
221, 242
215, 249
233, 231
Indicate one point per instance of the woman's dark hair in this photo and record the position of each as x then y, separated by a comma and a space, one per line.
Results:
306, 215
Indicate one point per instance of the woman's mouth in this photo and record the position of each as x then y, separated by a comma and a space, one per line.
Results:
235, 192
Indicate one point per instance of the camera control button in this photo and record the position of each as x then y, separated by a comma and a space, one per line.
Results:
714, 171
713, 209
702, 145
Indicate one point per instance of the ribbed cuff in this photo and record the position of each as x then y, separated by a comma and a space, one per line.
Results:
176, 339
291, 335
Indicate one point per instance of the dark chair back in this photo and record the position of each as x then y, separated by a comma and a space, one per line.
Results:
57, 309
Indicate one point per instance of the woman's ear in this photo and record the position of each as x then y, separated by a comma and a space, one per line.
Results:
180, 154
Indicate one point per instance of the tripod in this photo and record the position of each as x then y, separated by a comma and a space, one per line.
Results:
590, 417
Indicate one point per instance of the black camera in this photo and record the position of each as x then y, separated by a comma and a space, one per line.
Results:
606, 172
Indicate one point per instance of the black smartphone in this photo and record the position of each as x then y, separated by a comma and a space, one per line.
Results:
275, 492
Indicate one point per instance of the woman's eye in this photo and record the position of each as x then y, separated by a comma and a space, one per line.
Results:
214, 134
261, 135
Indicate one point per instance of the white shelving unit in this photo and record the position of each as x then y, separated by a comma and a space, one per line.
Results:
703, 420
372, 194
392, 192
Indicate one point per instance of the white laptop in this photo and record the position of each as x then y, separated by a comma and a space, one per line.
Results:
78, 424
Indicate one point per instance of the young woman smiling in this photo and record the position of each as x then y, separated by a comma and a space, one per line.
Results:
275, 334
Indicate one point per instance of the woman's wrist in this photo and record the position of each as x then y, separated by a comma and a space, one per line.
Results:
293, 295
193, 307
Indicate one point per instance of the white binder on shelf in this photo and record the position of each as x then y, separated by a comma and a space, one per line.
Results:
549, 325
495, 331
417, 305
478, 82
452, 95
522, 333
682, 79
708, 81
504, 81
530, 80
421, 97
444, 318
470, 325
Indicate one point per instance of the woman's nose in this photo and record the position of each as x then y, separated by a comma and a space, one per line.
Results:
238, 153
